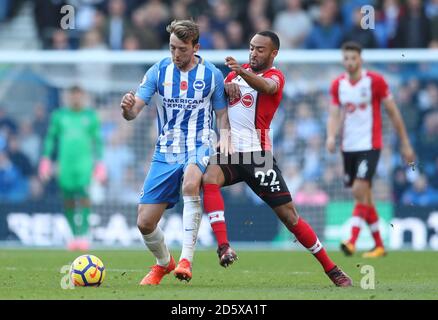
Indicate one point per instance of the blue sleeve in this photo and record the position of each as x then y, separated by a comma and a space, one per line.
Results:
218, 99
148, 85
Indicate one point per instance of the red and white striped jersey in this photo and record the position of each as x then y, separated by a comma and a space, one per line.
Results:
360, 101
251, 115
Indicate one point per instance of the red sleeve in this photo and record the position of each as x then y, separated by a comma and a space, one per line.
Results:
233, 74
334, 92
380, 86
230, 77
276, 76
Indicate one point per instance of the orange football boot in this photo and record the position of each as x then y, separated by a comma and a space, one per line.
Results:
157, 273
377, 252
184, 270
348, 248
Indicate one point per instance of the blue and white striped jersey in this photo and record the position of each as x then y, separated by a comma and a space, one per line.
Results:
185, 103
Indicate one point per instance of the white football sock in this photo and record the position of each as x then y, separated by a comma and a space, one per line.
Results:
192, 215
156, 244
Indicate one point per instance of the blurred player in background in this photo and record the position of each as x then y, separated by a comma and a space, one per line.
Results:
255, 90
356, 98
189, 89
76, 131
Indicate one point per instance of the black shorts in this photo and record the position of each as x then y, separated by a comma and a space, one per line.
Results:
360, 165
260, 172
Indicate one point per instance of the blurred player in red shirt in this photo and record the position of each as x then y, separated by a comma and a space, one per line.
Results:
255, 90
356, 98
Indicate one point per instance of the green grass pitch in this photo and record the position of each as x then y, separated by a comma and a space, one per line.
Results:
257, 275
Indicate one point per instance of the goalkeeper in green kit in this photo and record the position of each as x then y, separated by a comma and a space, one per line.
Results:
76, 130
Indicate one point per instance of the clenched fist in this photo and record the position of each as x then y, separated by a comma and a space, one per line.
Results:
128, 102
232, 90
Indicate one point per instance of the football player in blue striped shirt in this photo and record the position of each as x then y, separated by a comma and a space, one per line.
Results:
189, 89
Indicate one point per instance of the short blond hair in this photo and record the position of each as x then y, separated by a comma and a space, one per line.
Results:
185, 30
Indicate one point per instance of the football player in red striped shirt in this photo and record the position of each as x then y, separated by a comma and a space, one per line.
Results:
357, 96
255, 90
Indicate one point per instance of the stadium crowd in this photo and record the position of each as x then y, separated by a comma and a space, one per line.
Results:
311, 24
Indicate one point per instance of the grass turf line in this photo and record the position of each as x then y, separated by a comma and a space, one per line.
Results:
257, 275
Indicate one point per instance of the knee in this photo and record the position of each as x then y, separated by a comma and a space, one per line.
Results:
356, 192
209, 178
214, 176
359, 192
190, 188
144, 223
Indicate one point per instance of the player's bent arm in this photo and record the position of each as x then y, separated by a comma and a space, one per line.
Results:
132, 111
260, 84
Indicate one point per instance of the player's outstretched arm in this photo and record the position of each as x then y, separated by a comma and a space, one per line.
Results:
260, 84
223, 125
131, 106
333, 121
394, 115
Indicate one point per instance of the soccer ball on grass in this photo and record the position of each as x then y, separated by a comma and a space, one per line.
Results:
87, 270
